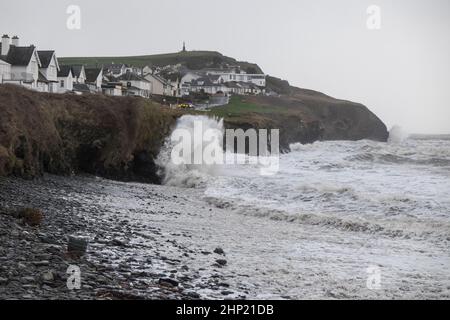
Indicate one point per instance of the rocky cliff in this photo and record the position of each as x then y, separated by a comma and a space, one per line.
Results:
115, 137
119, 137
304, 116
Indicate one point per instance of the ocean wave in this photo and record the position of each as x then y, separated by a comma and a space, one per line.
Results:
436, 231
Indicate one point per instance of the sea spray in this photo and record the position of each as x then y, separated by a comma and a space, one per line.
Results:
189, 174
397, 134
195, 151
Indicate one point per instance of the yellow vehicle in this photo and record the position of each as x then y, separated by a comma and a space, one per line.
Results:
185, 106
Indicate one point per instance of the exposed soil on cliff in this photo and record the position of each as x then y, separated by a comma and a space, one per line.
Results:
114, 137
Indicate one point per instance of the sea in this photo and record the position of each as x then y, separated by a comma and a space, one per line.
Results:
351, 219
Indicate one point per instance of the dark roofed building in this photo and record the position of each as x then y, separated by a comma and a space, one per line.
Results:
64, 71
49, 68
115, 69
77, 70
130, 76
78, 73
24, 62
81, 88
94, 78
65, 79
92, 74
19, 56
45, 57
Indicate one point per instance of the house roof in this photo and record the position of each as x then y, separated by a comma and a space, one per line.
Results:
19, 56
114, 68
76, 69
206, 81
130, 76
42, 78
133, 88
45, 57
232, 84
214, 77
92, 74
64, 71
81, 87
159, 78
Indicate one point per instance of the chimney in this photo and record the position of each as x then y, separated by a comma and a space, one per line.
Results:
15, 41
5, 45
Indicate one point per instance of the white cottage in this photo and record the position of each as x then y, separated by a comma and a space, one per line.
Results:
24, 62
65, 79
78, 73
94, 79
135, 85
49, 69
5, 71
160, 86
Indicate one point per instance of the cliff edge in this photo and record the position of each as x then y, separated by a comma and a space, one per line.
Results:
119, 137
116, 137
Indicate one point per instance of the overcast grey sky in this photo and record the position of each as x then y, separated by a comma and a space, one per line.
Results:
401, 71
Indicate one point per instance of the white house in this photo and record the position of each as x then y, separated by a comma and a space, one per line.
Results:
189, 76
5, 71
235, 74
207, 85
78, 73
94, 79
49, 69
160, 86
135, 85
115, 69
112, 89
24, 62
42, 83
65, 79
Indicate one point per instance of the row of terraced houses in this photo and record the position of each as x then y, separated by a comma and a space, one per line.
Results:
40, 70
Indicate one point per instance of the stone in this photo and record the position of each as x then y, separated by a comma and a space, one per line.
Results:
3, 281
27, 279
219, 250
41, 263
221, 262
118, 243
48, 276
77, 245
168, 281
193, 295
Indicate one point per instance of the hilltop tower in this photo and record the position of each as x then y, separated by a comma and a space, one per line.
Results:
184, 47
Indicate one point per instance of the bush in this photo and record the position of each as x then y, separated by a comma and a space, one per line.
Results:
31, 216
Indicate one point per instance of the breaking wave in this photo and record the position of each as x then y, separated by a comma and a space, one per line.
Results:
396, 189
189, 175
397, 135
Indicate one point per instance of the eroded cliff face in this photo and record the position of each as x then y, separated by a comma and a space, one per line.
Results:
307, 116
116, 137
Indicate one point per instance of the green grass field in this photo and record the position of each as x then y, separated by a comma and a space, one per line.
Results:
192, 59
239, 106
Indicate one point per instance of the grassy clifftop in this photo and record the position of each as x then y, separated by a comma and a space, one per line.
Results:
115, 137
192, 59
304, 116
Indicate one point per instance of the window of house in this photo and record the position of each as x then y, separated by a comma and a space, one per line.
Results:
62, 83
